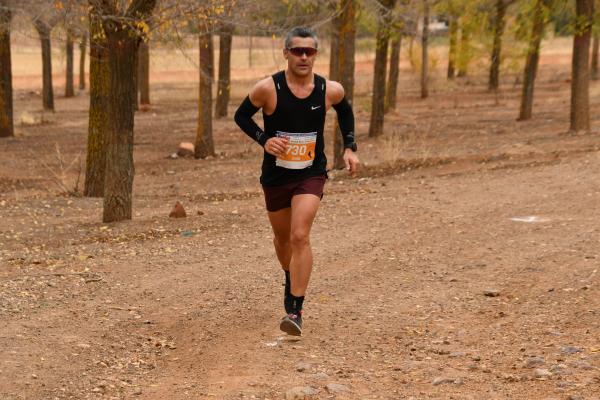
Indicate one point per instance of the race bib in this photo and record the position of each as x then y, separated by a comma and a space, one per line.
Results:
300, 152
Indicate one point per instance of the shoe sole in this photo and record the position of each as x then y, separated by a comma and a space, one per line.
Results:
290, 327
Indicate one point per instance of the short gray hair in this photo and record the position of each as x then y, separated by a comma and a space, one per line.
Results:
303, 32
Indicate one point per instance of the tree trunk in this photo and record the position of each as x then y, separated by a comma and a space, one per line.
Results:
122, 43
122, 50
499, 25
69, 86
379, 75
6, 96
82, 51
342, 66
135, 94
595, 46
249, 51
204, 139
531, 65
336, 24
47, 91
425, 51
144, 72
580, 106
464, 56
224, 83
98, 126
452, 48
392, 83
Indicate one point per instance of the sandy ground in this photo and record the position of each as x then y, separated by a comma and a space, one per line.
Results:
460, 263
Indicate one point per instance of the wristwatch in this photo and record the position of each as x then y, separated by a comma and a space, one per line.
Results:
352, 146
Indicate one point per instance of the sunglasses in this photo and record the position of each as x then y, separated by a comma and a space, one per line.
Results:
299, 51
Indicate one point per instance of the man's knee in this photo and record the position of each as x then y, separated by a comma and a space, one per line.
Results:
300, 237
281, 242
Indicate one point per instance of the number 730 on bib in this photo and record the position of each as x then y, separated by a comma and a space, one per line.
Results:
300, 152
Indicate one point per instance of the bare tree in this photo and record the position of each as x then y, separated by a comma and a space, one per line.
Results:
452, 47
69, 85
394, 73
224, 84
499, 24
533, 56
398, 30
425, 52
464, 51
204, 139
144, 72
124, 26
44, 28
342, 64
99, 118
82, 51
595, 55
379, 74
6, 96
580, 80
596, 42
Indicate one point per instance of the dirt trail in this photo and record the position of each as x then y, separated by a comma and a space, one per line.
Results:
405, 254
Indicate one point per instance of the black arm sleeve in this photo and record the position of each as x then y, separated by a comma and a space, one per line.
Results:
345, 120
243, 117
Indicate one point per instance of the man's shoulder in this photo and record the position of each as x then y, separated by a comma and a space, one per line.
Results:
261, 91
335, 90
265, 84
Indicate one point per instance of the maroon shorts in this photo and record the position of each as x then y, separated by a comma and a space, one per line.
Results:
280, 197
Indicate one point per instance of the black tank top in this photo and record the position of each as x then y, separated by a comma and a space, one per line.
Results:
302, 120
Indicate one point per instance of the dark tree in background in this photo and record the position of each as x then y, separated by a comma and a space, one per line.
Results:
464, 50
499, 24
204, 145
123, 34
69, 86
143, 73
453, 45
6, 96
595, 74
533, 57
82, 51
425, 52
379, 70
43, 29
580, 78
394, 72
342, 65
98, 125
224, 81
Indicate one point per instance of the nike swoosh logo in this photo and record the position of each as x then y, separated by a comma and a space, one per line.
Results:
314, 108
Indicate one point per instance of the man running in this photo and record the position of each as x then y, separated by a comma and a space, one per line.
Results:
294, 103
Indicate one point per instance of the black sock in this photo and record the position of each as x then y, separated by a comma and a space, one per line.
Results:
297, 303
287, 300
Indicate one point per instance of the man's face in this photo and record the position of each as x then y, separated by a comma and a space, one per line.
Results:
301, 55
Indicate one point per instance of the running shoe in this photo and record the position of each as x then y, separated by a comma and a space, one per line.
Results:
292, 324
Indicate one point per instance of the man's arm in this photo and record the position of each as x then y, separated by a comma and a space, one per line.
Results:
257, 99
244, 113
345, 117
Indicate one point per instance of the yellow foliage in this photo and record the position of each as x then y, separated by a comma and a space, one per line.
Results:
143, 26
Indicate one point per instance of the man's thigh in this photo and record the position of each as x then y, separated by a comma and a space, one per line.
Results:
281, 222
303, 212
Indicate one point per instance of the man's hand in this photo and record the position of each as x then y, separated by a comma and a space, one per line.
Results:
276, 146
351, 161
